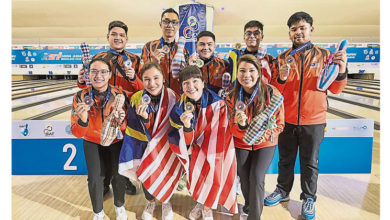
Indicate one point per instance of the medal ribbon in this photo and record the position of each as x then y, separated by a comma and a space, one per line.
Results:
105, 99
253, 96
300, 48
124, 56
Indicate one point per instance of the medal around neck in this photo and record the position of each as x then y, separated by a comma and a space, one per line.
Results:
165, 49
146, 99
189, 107
88, 100
199, 63
238, 46
240, 106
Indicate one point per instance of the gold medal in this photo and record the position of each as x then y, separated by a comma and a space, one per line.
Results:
238, 46
189, 107
199, 63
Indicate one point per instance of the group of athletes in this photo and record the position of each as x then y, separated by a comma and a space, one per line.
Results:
191, 128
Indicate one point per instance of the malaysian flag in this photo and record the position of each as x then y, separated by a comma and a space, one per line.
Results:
212, 169
148, 157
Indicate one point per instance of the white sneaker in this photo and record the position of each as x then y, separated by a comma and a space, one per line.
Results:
167, 213
207, 214
98, 216
196, 213
120, 213
147, 214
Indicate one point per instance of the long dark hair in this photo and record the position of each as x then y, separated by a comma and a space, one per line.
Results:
262, 94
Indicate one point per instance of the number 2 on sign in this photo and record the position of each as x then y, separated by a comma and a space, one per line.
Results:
71, 157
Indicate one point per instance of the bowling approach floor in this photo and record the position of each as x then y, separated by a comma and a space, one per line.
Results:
340, 196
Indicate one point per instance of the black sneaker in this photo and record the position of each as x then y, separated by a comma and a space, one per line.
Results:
130, 188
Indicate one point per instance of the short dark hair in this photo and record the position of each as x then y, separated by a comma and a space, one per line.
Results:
190, 72
254, 23
101, 60
169, 10
205, 34
299, 16
120, 24
150, 65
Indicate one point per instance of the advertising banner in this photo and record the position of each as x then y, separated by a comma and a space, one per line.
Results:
48, 147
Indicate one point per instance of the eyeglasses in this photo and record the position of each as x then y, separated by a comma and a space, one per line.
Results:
255, 33
167, 22
95, 72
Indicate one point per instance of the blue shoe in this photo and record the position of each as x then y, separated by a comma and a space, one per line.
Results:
308, 209
275, 198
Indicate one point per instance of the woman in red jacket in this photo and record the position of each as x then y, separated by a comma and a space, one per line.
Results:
91, 107
256, 110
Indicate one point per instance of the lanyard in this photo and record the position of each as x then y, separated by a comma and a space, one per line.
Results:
253, 96
300, 48
124, 56
105, 99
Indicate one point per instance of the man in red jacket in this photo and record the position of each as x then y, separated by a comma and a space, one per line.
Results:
164, 49
123, 76
305, 110
124, 65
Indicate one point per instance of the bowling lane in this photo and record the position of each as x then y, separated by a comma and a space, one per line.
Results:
37, 85
359, 88
42, 88
39, 109
357, 98
354, 109
43, 97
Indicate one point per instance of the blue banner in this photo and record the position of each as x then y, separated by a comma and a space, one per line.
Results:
73, 56
192, 22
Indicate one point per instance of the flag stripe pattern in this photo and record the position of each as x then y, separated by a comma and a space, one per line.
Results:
212, 169
148, 157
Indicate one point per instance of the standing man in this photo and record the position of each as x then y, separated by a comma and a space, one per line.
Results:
213, 67
253, 35
164, 49
305, 110
124, 67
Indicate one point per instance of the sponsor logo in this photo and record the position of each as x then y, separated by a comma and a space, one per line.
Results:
24, 130
48, 131
360, 128
48, 56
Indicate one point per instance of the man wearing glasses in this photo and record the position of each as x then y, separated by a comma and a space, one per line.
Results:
164, 49
253, 35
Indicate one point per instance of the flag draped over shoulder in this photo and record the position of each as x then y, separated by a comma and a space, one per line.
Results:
148, 157
212, 169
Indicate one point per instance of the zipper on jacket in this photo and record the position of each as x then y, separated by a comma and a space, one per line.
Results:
300, 85
169, 69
